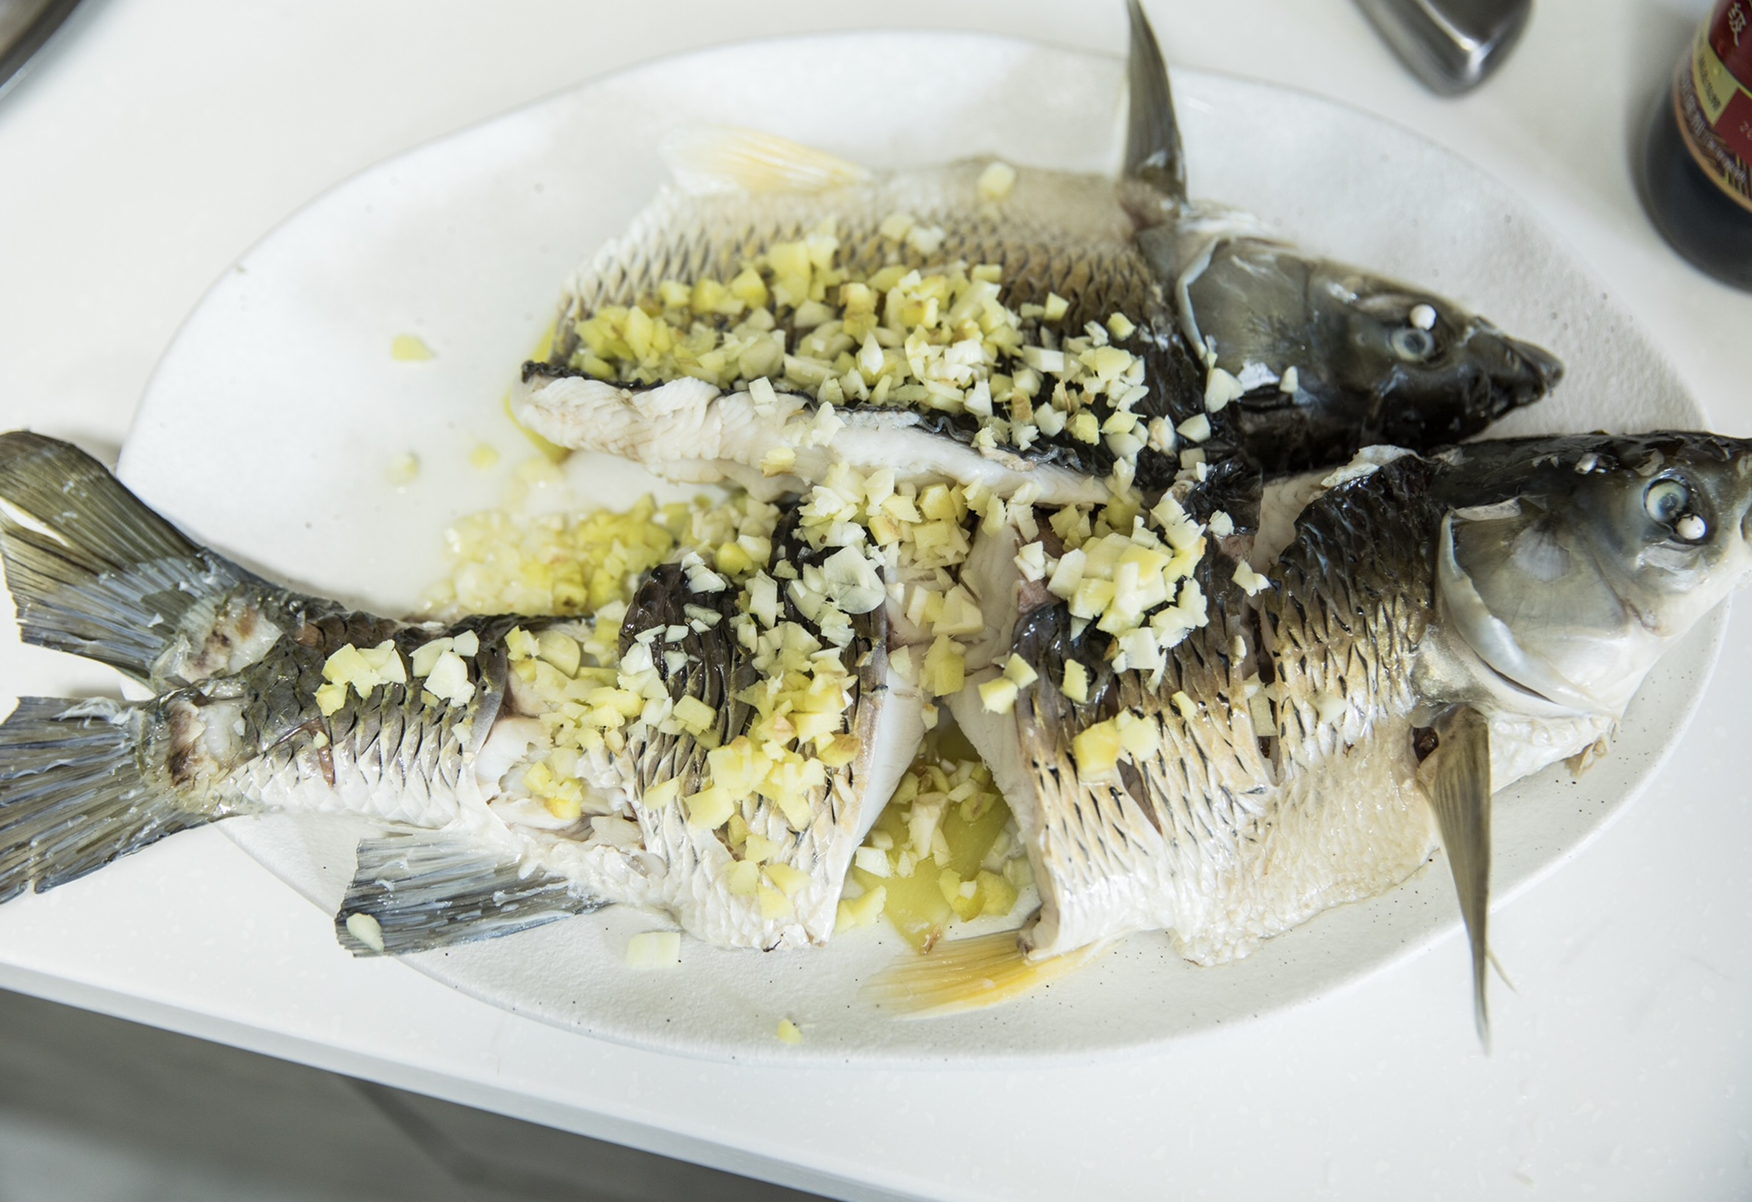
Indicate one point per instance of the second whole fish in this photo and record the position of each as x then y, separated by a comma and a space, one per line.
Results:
1015, 327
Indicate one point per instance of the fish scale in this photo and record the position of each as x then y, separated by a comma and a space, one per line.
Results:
1059, 232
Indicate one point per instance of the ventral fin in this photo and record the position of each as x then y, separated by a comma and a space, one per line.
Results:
413, 892
966, 974
1152, 135
1456, 776
712, 158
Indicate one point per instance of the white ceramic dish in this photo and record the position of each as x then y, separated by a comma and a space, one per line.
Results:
269, 425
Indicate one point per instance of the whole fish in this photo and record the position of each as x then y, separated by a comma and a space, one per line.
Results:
982, 323
1438, 627
520, 783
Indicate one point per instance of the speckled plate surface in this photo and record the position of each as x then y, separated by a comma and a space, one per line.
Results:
270, 423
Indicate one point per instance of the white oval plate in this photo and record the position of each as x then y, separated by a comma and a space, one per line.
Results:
270, 423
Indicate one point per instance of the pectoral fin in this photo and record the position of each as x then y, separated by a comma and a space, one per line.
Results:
1456, 777
413, 892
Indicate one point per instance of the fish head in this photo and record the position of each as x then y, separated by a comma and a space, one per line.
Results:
1434, 371
1332, 358
1570, 565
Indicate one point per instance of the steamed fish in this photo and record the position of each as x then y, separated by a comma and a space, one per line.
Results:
781, 310
1437, 628
715, 750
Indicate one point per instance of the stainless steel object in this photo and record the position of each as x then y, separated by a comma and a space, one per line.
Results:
1449, 44
24, 26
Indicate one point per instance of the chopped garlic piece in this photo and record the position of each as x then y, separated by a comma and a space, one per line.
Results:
1196, 428
448, 680
366, 929
1249, 581
1220, 388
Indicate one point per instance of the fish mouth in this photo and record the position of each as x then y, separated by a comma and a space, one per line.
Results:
1519, 372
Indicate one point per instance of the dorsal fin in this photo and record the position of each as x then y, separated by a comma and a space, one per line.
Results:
713, 158
1152, 136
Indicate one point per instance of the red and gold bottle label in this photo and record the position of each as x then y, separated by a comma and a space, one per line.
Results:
1713, 101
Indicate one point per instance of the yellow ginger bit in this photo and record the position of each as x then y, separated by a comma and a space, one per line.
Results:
788, 880
1120, 326
996, 181
758, 848
861, 911
998, 695
409, 348
1096, 750
1019, 673
750, 289
944, 667
997, 896
778, 461
560, 650
842, 750
742, 878
708, 809
1139, 736
773, 904
654, 950
1187, 707
661, 794
330, 698
1076, 682
694, 715
789, 1032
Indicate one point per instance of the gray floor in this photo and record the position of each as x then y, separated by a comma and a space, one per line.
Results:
95, 1109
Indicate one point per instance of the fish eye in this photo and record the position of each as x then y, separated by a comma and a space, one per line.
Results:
1666, 500
1413, 344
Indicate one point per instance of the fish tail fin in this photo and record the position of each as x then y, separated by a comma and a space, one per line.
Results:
967, 974
1152, 135
91, 569
76, 791
415, 892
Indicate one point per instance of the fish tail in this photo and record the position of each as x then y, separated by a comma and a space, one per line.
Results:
91, 569
967, 974
77, 790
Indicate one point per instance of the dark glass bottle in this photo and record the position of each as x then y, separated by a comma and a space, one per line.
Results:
1694, 176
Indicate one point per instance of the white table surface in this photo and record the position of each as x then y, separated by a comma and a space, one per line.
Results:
156, 140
